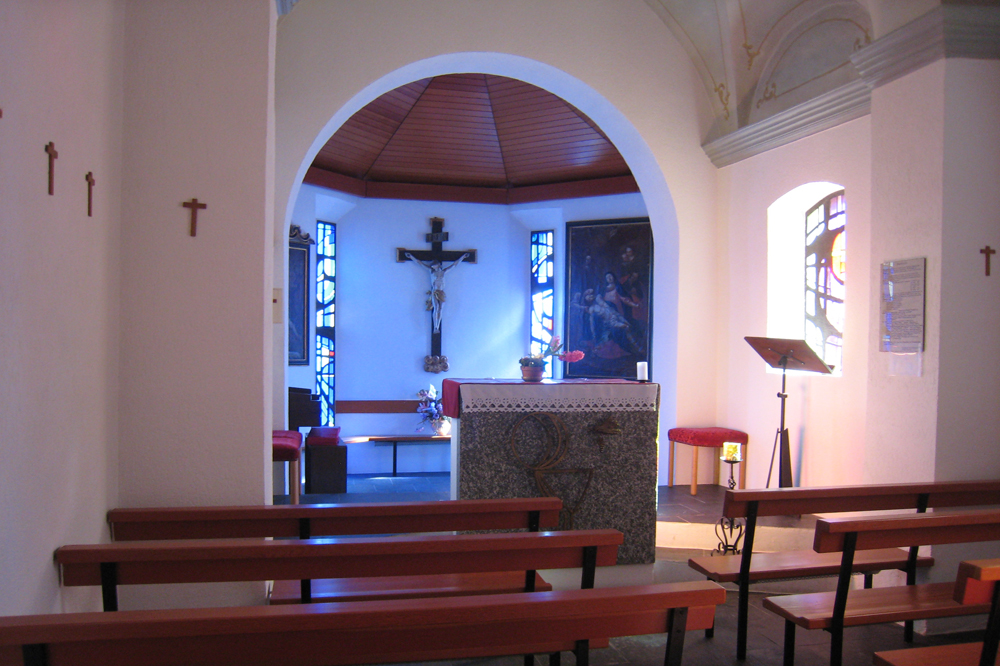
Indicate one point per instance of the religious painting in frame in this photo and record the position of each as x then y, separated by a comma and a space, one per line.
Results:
298, 296
609, 296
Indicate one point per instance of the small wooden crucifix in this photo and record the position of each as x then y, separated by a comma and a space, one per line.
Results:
987, 251
434, 261
50, 149
195, 206
90, 193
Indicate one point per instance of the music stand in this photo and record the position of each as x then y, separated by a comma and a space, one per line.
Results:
785, 354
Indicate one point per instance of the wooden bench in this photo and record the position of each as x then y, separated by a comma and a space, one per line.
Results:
226, 560
308, 521
976, 583
350, 519
833, 611
364, 632
750, 505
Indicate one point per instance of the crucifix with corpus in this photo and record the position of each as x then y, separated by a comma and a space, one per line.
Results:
436, 261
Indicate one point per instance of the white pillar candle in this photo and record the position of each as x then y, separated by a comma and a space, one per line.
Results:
642, 371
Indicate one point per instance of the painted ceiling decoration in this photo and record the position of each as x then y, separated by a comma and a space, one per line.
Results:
758, 58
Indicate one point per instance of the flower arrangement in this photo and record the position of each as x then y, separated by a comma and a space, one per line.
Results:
538, 360
431, 411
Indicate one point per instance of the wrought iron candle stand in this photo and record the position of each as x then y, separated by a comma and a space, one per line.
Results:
729, 530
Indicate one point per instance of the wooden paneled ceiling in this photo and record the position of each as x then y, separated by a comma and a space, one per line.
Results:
472, 138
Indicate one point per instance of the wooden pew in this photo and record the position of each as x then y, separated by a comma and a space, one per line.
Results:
833, 611
226, 560
976, 582
749, 567
301, 521
363, 632
308, 521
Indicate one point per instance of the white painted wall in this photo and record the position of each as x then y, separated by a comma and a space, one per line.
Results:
648, 101
907, 179
61, 67
968, 428
825, 415
968, 387
196, 313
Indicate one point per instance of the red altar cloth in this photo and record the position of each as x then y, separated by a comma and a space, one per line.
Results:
451, 406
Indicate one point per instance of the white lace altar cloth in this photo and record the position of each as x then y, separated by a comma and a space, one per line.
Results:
559, 397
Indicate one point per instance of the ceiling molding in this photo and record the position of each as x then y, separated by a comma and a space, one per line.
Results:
820, 113
947, 31
579, 189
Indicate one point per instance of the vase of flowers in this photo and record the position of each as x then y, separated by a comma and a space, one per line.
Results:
431, 412
533, 366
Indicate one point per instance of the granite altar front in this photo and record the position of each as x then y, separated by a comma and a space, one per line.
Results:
592, 443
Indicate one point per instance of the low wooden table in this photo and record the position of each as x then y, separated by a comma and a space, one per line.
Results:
396, 440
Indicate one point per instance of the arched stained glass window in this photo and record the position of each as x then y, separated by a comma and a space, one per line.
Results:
542, 294
326, 290
825, 271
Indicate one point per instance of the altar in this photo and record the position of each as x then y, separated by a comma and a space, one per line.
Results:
590, 442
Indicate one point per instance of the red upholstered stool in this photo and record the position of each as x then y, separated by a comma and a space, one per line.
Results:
285, 447
713, 437
326, 461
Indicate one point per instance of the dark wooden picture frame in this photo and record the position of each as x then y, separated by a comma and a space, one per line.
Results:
609, 296
298, 296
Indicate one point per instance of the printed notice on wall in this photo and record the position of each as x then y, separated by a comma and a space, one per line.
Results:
902, 312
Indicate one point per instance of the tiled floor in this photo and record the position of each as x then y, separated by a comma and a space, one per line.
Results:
675, 505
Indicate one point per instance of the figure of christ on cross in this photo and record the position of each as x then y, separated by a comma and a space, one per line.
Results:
435, 295
436, 261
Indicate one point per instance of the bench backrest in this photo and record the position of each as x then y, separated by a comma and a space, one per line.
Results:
361, 632
226, 560
833, 534
841, 499
306, 521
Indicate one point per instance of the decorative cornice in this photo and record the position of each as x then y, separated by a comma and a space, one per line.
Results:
947, 31
296, 235
822, 112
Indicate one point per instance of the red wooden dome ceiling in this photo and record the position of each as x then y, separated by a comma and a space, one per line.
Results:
474, 138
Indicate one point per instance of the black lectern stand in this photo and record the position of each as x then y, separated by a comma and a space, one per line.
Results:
794, 355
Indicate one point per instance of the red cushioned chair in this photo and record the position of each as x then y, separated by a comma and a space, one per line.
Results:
286, 446
712, 437
326, 461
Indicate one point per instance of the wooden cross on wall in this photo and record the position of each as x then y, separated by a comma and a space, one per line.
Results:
50, 150
434, 260
988, 251
195, 206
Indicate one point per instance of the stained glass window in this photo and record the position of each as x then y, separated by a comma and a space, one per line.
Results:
825, 270
542, 293
326, 290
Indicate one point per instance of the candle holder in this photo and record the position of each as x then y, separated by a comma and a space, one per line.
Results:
729, 531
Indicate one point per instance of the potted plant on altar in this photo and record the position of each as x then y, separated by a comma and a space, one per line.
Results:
432, 412
533, 366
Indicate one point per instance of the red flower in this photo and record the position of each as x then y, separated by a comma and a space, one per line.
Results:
571, 356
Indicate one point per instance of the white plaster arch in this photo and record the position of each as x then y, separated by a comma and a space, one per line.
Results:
626, 138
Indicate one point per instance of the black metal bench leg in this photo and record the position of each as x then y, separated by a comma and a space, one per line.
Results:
35, 654
555, 659
582, 652
529, 660
789, 657
836, 646
742, 613
675, 638
109, 585
908, 631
